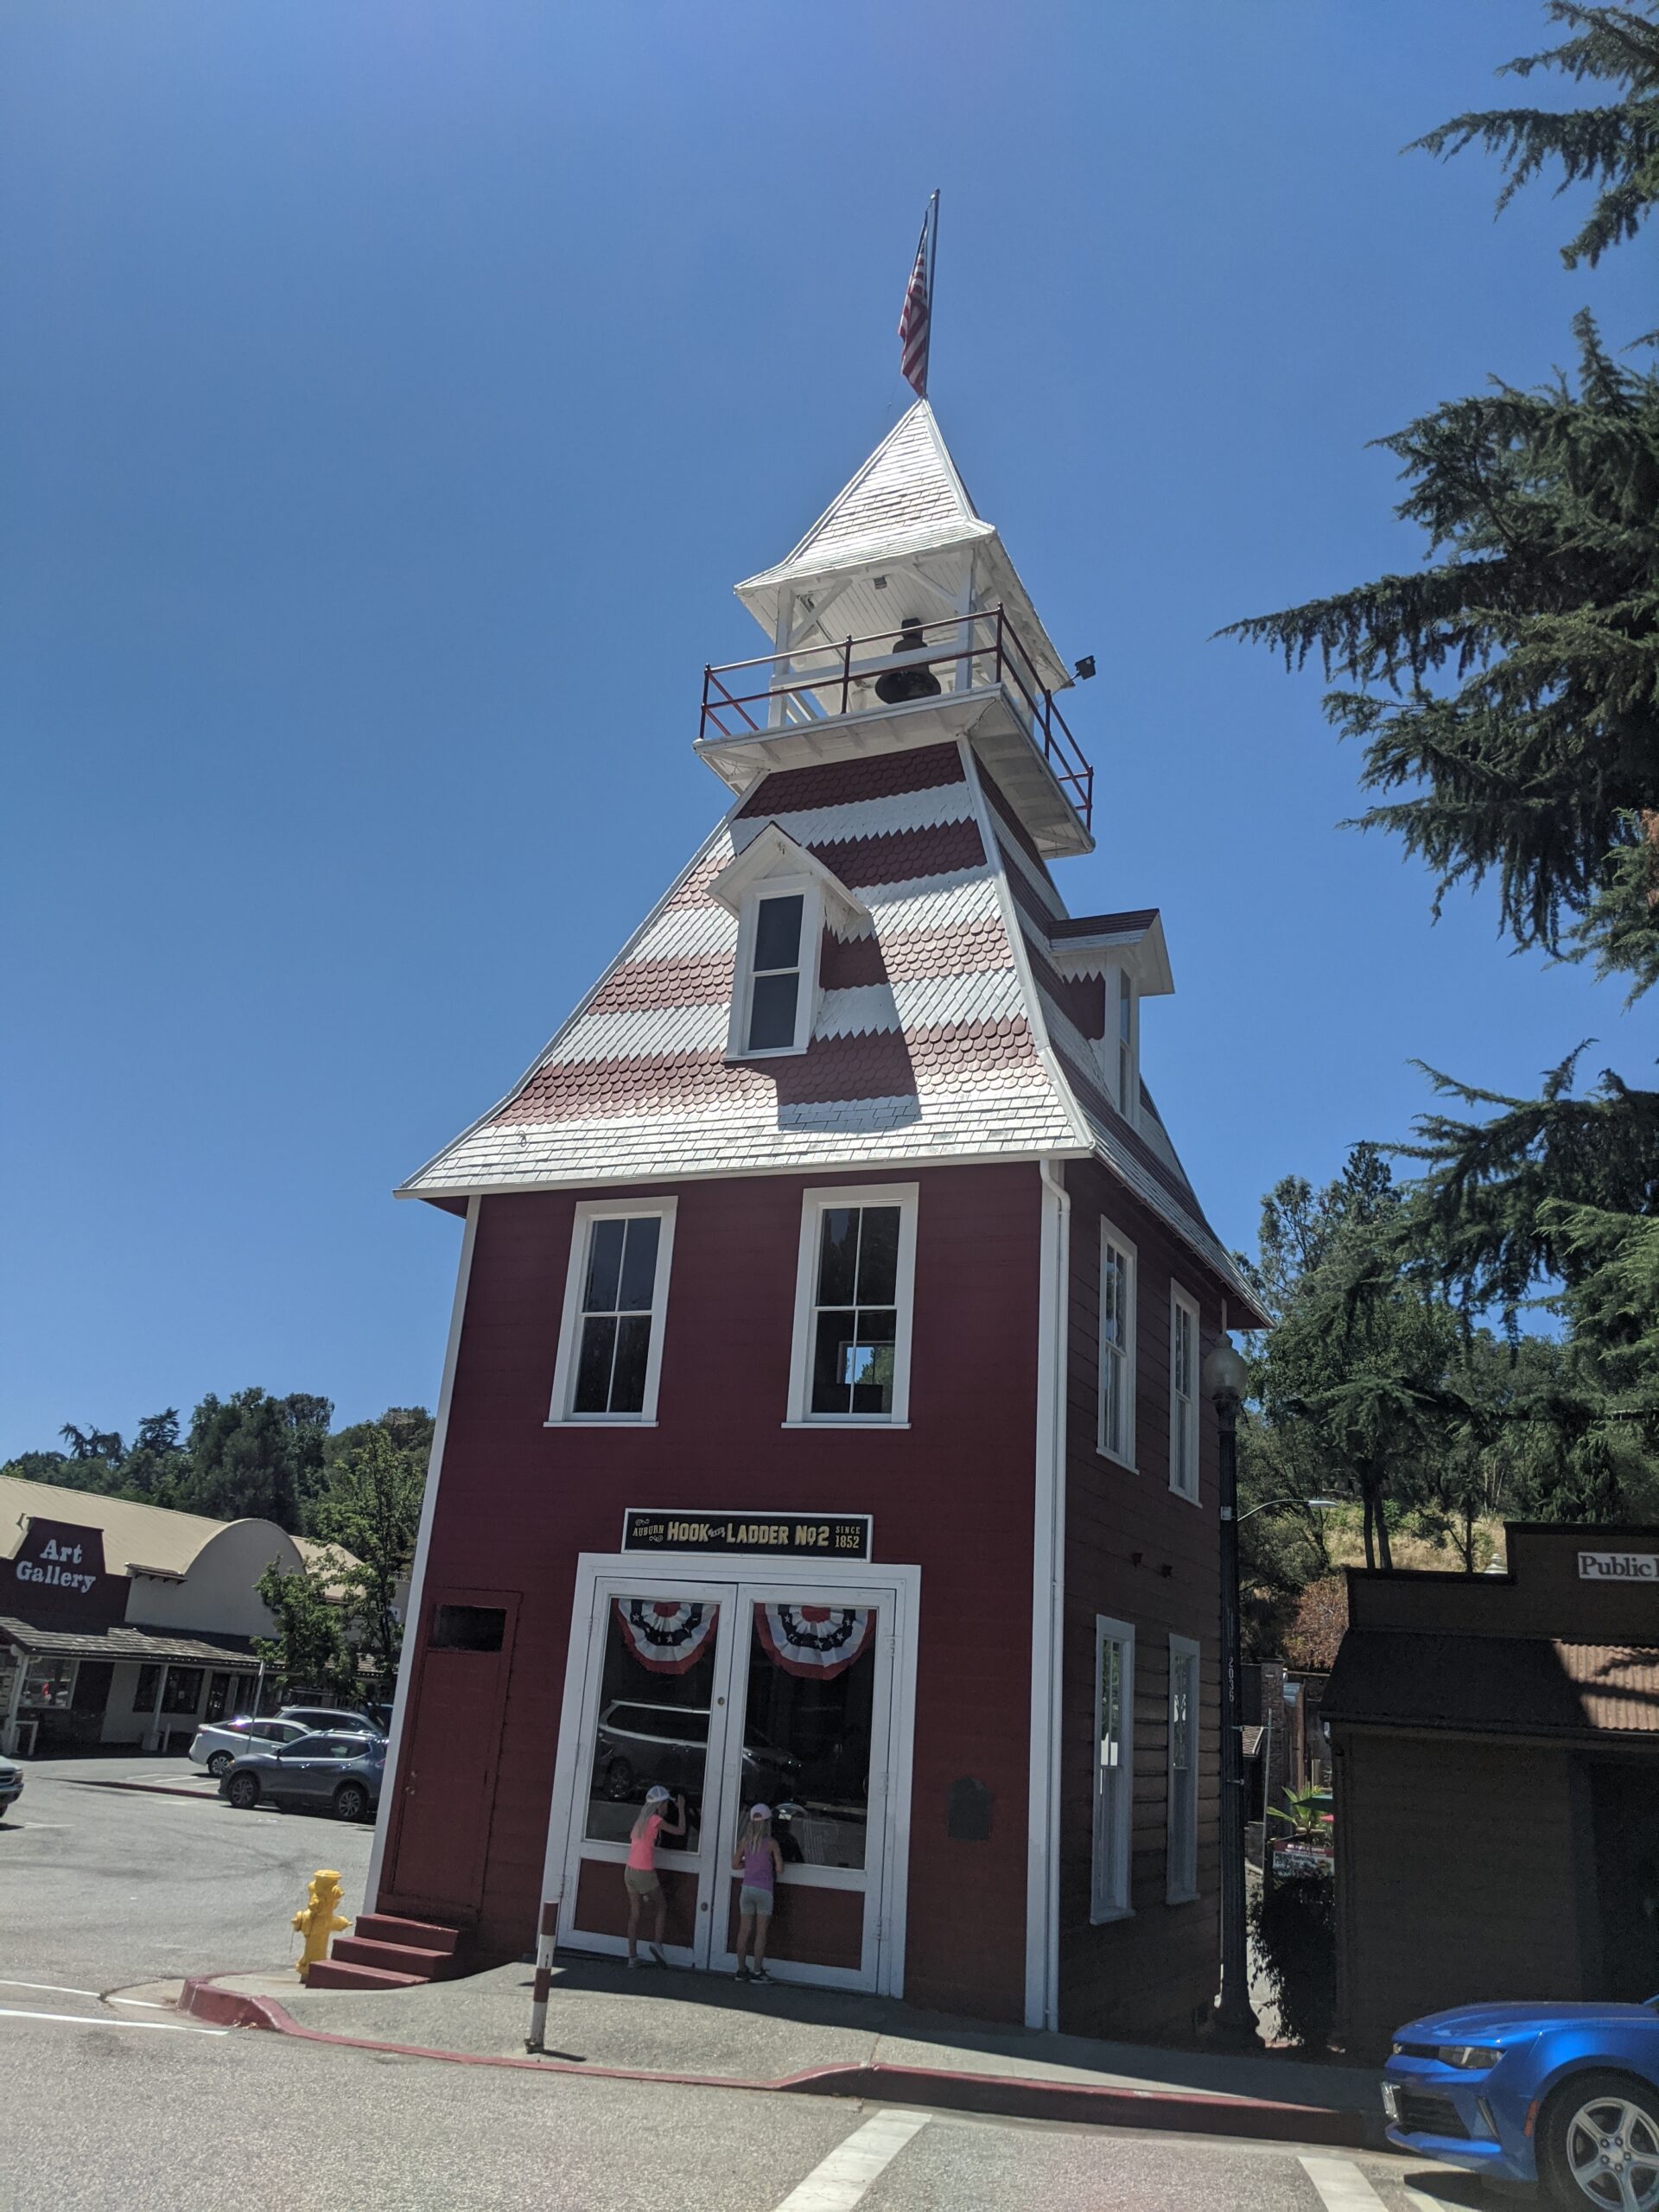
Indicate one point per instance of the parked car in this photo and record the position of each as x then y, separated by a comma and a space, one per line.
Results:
641, 1744
338, 1716
216, 1743
1567, 2094
11, 1786
319, 1773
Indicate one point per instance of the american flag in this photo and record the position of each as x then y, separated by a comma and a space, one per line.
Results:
916, 320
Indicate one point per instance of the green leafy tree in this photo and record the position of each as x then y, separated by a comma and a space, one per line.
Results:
255, 1457
375, 1475
308, 1650
156, 1469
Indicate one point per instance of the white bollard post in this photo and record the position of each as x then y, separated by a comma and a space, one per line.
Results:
547, 1939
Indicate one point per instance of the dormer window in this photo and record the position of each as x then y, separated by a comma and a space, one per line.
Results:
783, 895
780, 926
775, 975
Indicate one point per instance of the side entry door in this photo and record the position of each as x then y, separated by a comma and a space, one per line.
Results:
443, 1795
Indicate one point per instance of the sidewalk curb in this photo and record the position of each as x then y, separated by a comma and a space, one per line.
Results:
1007, 2097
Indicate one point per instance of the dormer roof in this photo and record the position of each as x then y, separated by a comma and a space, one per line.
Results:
907, 501
775, 853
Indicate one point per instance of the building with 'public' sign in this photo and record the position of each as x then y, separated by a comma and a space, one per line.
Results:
820, 1422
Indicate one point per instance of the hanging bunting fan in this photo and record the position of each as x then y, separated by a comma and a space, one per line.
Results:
818, 1640
665, 1636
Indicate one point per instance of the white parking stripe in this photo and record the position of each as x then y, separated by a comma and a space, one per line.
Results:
51, 1988
145, 2003
839, 2182
1342, 2186
94, 2021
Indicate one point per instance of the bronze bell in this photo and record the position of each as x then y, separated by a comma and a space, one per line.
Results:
894, 685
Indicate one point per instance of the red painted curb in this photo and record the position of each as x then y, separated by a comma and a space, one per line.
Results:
1007, 2095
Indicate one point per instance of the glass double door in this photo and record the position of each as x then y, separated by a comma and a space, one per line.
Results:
730, 1694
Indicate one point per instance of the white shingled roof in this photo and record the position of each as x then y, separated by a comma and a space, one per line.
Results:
908, 499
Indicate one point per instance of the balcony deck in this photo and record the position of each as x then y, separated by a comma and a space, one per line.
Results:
821, 701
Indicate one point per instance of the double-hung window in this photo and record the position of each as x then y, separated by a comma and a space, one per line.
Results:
1183, 1394
780, 928
854, 1285
1183, 1870
616, 1293
1117, 1287
1114, 1766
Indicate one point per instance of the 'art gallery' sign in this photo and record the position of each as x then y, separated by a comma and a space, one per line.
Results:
1618, 1567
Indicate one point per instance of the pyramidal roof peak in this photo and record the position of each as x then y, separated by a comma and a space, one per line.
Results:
908, 497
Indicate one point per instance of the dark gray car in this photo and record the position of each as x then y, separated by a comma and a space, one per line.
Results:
334, 1773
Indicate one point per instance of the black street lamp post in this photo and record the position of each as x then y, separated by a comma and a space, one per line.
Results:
1225, 1377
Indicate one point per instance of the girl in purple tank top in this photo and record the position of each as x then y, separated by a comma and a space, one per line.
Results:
759, 1861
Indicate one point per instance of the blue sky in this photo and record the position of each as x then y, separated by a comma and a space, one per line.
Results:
392, 393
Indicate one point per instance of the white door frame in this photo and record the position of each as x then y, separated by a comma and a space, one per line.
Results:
694, 1569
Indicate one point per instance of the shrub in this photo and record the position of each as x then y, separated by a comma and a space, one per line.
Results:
1293, 1924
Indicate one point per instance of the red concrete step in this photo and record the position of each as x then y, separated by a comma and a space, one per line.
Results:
395, 1958
424, 1935
327, 1973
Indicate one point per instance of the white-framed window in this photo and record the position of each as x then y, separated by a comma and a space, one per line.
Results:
1114, 1766
853, 1288
1128, 1088
1117, 1302
781, 932
1182, 1883
1183, 1394
615, 1296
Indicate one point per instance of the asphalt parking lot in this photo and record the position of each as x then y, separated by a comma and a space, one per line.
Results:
113, 2101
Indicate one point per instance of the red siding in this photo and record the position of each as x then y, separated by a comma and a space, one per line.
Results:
1136, 1552
952, 1494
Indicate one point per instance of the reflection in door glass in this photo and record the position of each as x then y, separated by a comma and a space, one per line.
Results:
806, 1728
654, 1701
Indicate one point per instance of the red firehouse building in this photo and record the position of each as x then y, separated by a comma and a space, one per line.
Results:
821, 1419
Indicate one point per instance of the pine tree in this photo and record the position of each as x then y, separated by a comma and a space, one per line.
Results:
1615, 147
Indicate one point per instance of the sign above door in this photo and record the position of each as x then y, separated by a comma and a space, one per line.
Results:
794, 1535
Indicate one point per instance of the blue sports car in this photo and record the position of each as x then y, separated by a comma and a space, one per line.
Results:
1567, 2094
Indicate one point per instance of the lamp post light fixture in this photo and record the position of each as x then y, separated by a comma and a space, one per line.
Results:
1224, 1380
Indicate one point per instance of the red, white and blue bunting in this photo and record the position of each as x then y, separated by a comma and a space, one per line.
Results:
818, 1640
666, 1636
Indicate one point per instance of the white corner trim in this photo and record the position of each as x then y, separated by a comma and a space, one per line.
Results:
423, 1546
1047, 1609
564, 1370
813, 1202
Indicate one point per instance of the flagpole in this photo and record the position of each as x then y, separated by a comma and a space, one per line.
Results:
932, 263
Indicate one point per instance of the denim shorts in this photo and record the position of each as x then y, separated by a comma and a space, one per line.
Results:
751, 1900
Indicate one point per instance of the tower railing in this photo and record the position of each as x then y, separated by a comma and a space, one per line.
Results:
807, 684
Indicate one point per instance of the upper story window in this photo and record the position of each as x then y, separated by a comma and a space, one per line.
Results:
1127, 1086
780, 933
1117, 1289
854, 1290
616, 1293
1183, 1394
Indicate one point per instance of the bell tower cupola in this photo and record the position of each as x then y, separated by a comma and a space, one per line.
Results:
900, 620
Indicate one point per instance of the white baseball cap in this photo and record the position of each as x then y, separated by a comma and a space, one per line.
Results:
759, 1812
655, 1795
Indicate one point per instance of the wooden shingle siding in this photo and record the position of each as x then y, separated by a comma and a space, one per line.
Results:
1154, 1971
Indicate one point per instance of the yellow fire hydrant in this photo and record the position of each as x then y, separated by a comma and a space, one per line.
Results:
318, 1921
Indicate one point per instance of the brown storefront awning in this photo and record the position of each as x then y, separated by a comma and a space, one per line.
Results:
1494, 1685
123, 1644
